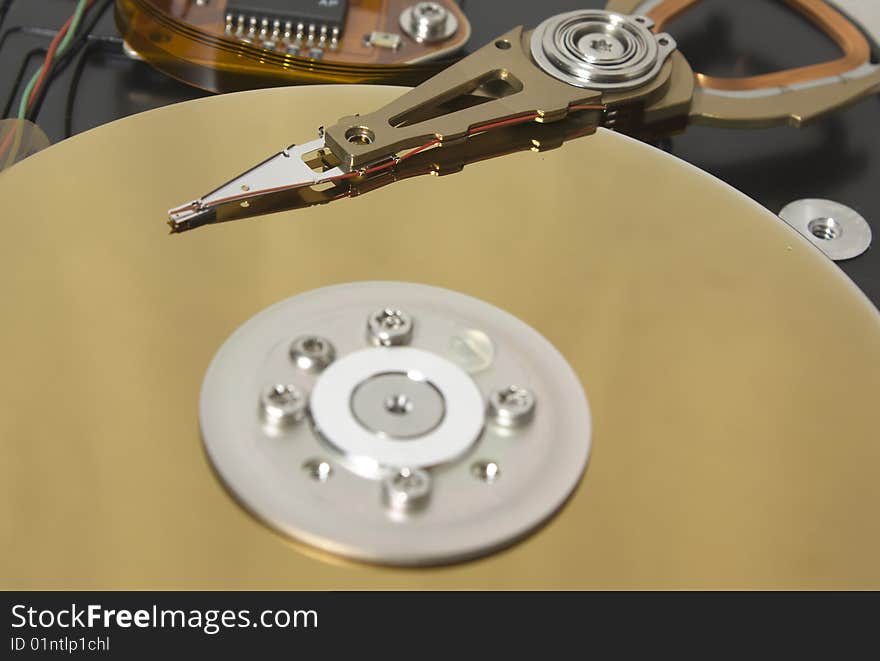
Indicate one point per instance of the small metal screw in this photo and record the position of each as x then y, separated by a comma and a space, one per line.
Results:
512, 406
389, 327
428, 19
318, 470
487, 471
312, 353
430, 9
398, 404
407, 489
283, 405
428, 22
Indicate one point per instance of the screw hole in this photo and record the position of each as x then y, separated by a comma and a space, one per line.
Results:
515, 396
320, 471
503, 44
360, 135
390, 319
486, 471
663, 41
826, 229
398, 405
313, 345
407, 480
280, 394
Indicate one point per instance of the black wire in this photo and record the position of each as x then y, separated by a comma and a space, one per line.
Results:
73, 86
39, 52
60, 64
4, 9
19, 29
9, 33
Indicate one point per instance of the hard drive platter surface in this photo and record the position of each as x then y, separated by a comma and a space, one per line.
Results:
731, 369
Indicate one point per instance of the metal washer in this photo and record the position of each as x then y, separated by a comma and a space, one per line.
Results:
333, 416
398, 405
468, 512
835, 229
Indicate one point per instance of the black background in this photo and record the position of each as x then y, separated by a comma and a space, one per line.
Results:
836, 158
462, 625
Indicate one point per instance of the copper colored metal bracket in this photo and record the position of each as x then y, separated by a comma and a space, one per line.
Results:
793, 96
850, 40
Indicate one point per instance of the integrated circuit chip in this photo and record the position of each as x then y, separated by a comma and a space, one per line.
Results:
319, 13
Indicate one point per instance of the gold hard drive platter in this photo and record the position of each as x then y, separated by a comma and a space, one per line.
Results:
731, 370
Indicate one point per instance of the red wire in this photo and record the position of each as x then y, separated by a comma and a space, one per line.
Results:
476, 129
384, 166
50, 55
504, 122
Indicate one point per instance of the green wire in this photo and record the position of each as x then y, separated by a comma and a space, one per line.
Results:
23, 104
74, 25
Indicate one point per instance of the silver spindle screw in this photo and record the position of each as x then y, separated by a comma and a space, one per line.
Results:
390, 327
407, 489
512, 406
283, 405
312, 353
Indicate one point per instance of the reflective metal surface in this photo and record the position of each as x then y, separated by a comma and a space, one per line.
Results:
794, 96
854, 63
400, 427
600, 50
396, 405
732, 369
428, 22
835, 229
